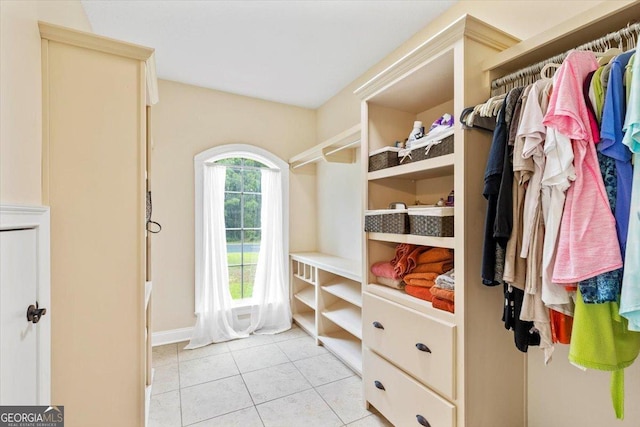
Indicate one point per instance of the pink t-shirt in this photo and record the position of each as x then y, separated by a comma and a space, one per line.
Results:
587, 243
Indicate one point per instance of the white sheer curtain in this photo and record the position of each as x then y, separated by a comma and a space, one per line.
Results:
271, 312
215, 316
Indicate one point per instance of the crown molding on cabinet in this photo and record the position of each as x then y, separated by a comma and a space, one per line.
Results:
465, 26
92, 41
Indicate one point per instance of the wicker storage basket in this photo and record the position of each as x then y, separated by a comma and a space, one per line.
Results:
432, 221
383, 158
386, 221
420, 152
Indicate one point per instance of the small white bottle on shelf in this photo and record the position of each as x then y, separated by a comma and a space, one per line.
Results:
416, 133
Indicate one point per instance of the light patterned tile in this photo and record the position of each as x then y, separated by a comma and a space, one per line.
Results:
373, 420
165, 378
249, 342
252, 359
346, 398
301, 348
323, 369
213, 399
294, 332
274, 382
207, 350
205, 369
164, 355
243, 418
301, 409
164, 410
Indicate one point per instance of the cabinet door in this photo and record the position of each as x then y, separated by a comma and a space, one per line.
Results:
18, 337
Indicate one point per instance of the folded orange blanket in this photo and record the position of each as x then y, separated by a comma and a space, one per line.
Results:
439, 267
418, 292
435, 255
412, 259
406, 263
426, 276
442, 304
402, 250
444, 294
423, 283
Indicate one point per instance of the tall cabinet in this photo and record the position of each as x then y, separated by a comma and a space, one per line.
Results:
423, 366
95, 93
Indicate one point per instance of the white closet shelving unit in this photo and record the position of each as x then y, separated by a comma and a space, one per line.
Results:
326, 290
423, 366
327, 303
338, 149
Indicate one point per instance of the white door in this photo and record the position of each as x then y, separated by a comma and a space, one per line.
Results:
19, 338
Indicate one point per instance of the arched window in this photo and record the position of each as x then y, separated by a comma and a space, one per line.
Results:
242, 208
227, 231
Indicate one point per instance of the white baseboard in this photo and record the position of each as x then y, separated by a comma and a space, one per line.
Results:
171, 336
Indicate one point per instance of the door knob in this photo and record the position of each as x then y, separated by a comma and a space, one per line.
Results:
34, 313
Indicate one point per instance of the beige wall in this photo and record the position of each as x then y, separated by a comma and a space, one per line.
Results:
339, 187
187, 121
21, 92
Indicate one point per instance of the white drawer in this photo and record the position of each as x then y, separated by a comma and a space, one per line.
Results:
418, 344
400, 398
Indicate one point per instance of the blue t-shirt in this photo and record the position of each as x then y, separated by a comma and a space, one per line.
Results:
611, 134
630, 298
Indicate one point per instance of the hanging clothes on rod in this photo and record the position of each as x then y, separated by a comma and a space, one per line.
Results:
482, 116
562, 150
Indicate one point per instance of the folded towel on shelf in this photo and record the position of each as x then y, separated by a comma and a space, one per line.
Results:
384, 269
418, 292
392, 283
443, 304
447, 280
423, 283
426, 276
412, 258
435, 255
402, 250
439, 267
445, 294
407, 263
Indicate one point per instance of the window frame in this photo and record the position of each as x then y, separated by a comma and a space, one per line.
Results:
221, 152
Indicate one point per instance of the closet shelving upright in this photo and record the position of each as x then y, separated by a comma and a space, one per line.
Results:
326, 290
444, 383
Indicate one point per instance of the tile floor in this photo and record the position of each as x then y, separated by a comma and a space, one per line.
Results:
265, 380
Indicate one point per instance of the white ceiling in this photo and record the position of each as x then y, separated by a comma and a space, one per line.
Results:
298, 52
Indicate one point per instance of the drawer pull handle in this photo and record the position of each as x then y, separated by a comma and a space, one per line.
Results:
379, 385
378, 325
422, 421
423, 347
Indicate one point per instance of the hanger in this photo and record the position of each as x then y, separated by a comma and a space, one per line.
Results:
605, 57
543, 72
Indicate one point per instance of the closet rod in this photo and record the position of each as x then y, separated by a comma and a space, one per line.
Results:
628, 34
